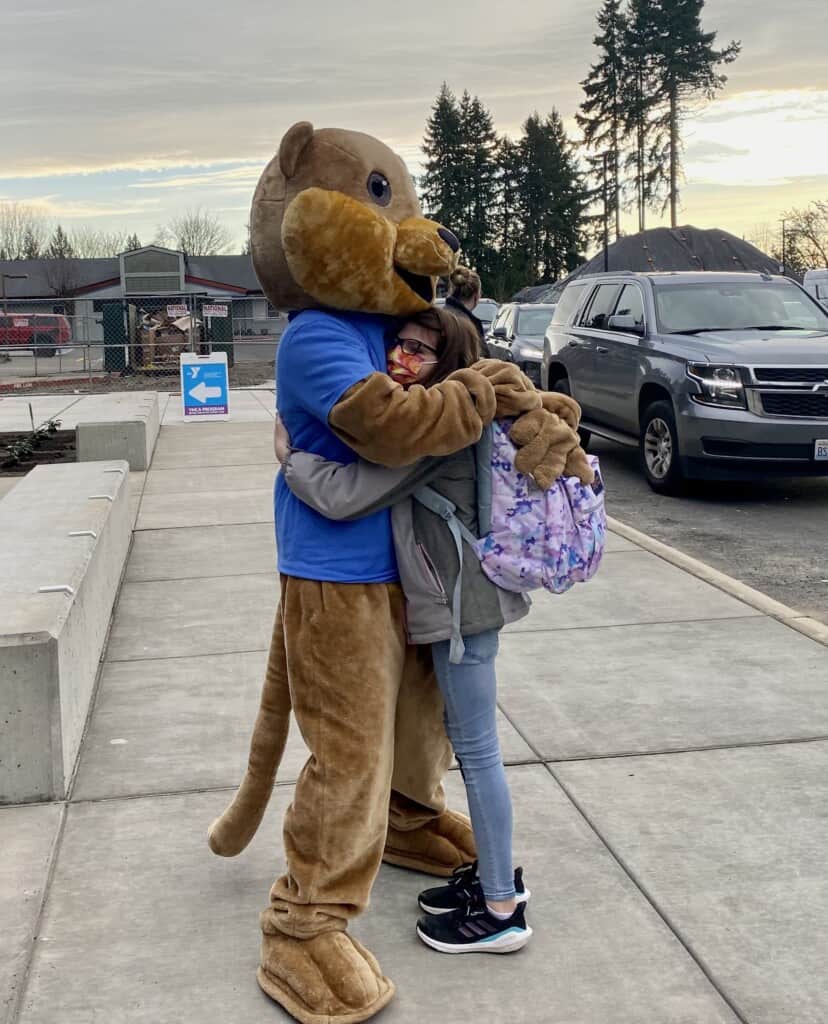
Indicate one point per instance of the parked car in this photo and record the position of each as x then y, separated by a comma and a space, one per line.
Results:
816, 284
711, 375
485, 311
46, 332
517, 335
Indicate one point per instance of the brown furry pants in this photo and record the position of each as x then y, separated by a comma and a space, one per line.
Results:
370, 712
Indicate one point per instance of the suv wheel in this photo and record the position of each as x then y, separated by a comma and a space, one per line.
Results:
563, 388
659, 449
45, 345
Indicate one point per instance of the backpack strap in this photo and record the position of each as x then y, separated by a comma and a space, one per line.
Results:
447, 511
483, 467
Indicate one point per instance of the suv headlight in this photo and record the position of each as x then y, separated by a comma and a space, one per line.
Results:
528, 352
720, 385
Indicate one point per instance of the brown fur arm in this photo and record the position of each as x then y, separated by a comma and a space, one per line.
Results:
386, 424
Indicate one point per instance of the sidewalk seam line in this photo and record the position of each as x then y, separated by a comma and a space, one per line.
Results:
628, 625
181, 657
667, 752
15, 1005
665, 920
653, 903
196, 526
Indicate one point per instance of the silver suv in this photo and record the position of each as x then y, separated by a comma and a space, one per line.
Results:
710, 375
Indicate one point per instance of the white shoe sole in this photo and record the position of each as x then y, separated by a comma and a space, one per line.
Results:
508, 942
521, 897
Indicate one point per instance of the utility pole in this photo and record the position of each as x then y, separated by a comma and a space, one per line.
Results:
784, 248
606, 218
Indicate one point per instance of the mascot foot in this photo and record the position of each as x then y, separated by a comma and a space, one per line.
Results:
436, 848
329, 979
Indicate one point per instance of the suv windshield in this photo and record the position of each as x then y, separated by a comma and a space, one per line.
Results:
736, 306
485, 311
534, 321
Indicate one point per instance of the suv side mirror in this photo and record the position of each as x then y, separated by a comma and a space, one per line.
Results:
499, 332
627, 324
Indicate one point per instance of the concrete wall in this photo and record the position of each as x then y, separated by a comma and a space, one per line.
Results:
51, 643
117, 426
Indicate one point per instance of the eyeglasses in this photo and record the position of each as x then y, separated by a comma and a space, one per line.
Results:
413, 347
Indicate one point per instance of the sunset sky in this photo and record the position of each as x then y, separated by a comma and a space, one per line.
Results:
120, 119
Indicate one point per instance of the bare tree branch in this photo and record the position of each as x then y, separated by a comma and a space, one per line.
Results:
23, 231
807, 230
92, 243
198, 233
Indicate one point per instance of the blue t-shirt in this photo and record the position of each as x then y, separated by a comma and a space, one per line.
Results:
320, 356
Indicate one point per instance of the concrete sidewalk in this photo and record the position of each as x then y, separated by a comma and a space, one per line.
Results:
667, 748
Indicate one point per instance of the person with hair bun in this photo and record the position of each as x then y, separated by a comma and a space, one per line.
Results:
464, 294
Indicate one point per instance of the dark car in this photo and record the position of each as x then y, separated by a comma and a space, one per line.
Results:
517, 335
711, 375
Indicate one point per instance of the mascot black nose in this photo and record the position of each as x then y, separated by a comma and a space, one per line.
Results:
449, 238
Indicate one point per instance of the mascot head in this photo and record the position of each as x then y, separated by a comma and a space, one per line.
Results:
336, 222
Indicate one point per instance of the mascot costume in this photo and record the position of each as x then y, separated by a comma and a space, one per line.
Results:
338, 238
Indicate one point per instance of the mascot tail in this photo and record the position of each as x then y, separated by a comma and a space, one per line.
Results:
230, 833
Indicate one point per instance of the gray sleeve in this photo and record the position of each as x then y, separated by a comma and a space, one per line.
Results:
355, 490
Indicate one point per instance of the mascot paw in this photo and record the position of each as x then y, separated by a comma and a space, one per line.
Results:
329, 979
564, 406
514, 392
436, 848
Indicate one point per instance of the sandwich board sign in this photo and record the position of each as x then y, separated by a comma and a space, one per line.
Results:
205, 385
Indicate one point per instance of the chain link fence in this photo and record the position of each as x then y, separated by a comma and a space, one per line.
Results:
87, 345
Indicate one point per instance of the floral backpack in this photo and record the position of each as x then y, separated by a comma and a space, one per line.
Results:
530, 538
551, 539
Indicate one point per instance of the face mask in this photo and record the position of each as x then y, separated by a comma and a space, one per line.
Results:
405, 368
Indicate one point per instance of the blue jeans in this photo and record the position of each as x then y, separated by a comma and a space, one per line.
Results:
470, 695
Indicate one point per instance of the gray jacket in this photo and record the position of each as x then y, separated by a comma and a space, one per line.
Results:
425, 547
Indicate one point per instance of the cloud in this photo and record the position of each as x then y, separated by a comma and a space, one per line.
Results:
56, 208
231, 179
705, 151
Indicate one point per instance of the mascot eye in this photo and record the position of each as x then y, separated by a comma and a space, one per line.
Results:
379, 188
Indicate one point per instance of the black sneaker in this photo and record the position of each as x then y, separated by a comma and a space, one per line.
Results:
472, 929
463, 887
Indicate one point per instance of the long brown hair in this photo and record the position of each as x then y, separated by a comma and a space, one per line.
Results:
458, 345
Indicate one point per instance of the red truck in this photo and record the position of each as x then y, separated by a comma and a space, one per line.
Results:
46, 332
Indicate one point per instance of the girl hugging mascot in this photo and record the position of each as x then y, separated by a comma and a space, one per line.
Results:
338, 238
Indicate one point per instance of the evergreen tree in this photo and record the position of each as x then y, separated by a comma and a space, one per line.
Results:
600, 116
552, 199
132, 242
441, 184
685, 64
60, 248
477, 179
647, 159
31, 245
509, 262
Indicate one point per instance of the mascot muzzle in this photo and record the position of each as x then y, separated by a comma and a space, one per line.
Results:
348, 255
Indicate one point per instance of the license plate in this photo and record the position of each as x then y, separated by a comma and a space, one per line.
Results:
821, 449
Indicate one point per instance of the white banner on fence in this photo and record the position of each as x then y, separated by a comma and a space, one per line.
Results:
208, 310
174, 312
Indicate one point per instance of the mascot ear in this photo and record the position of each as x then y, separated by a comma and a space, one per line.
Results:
292, 146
